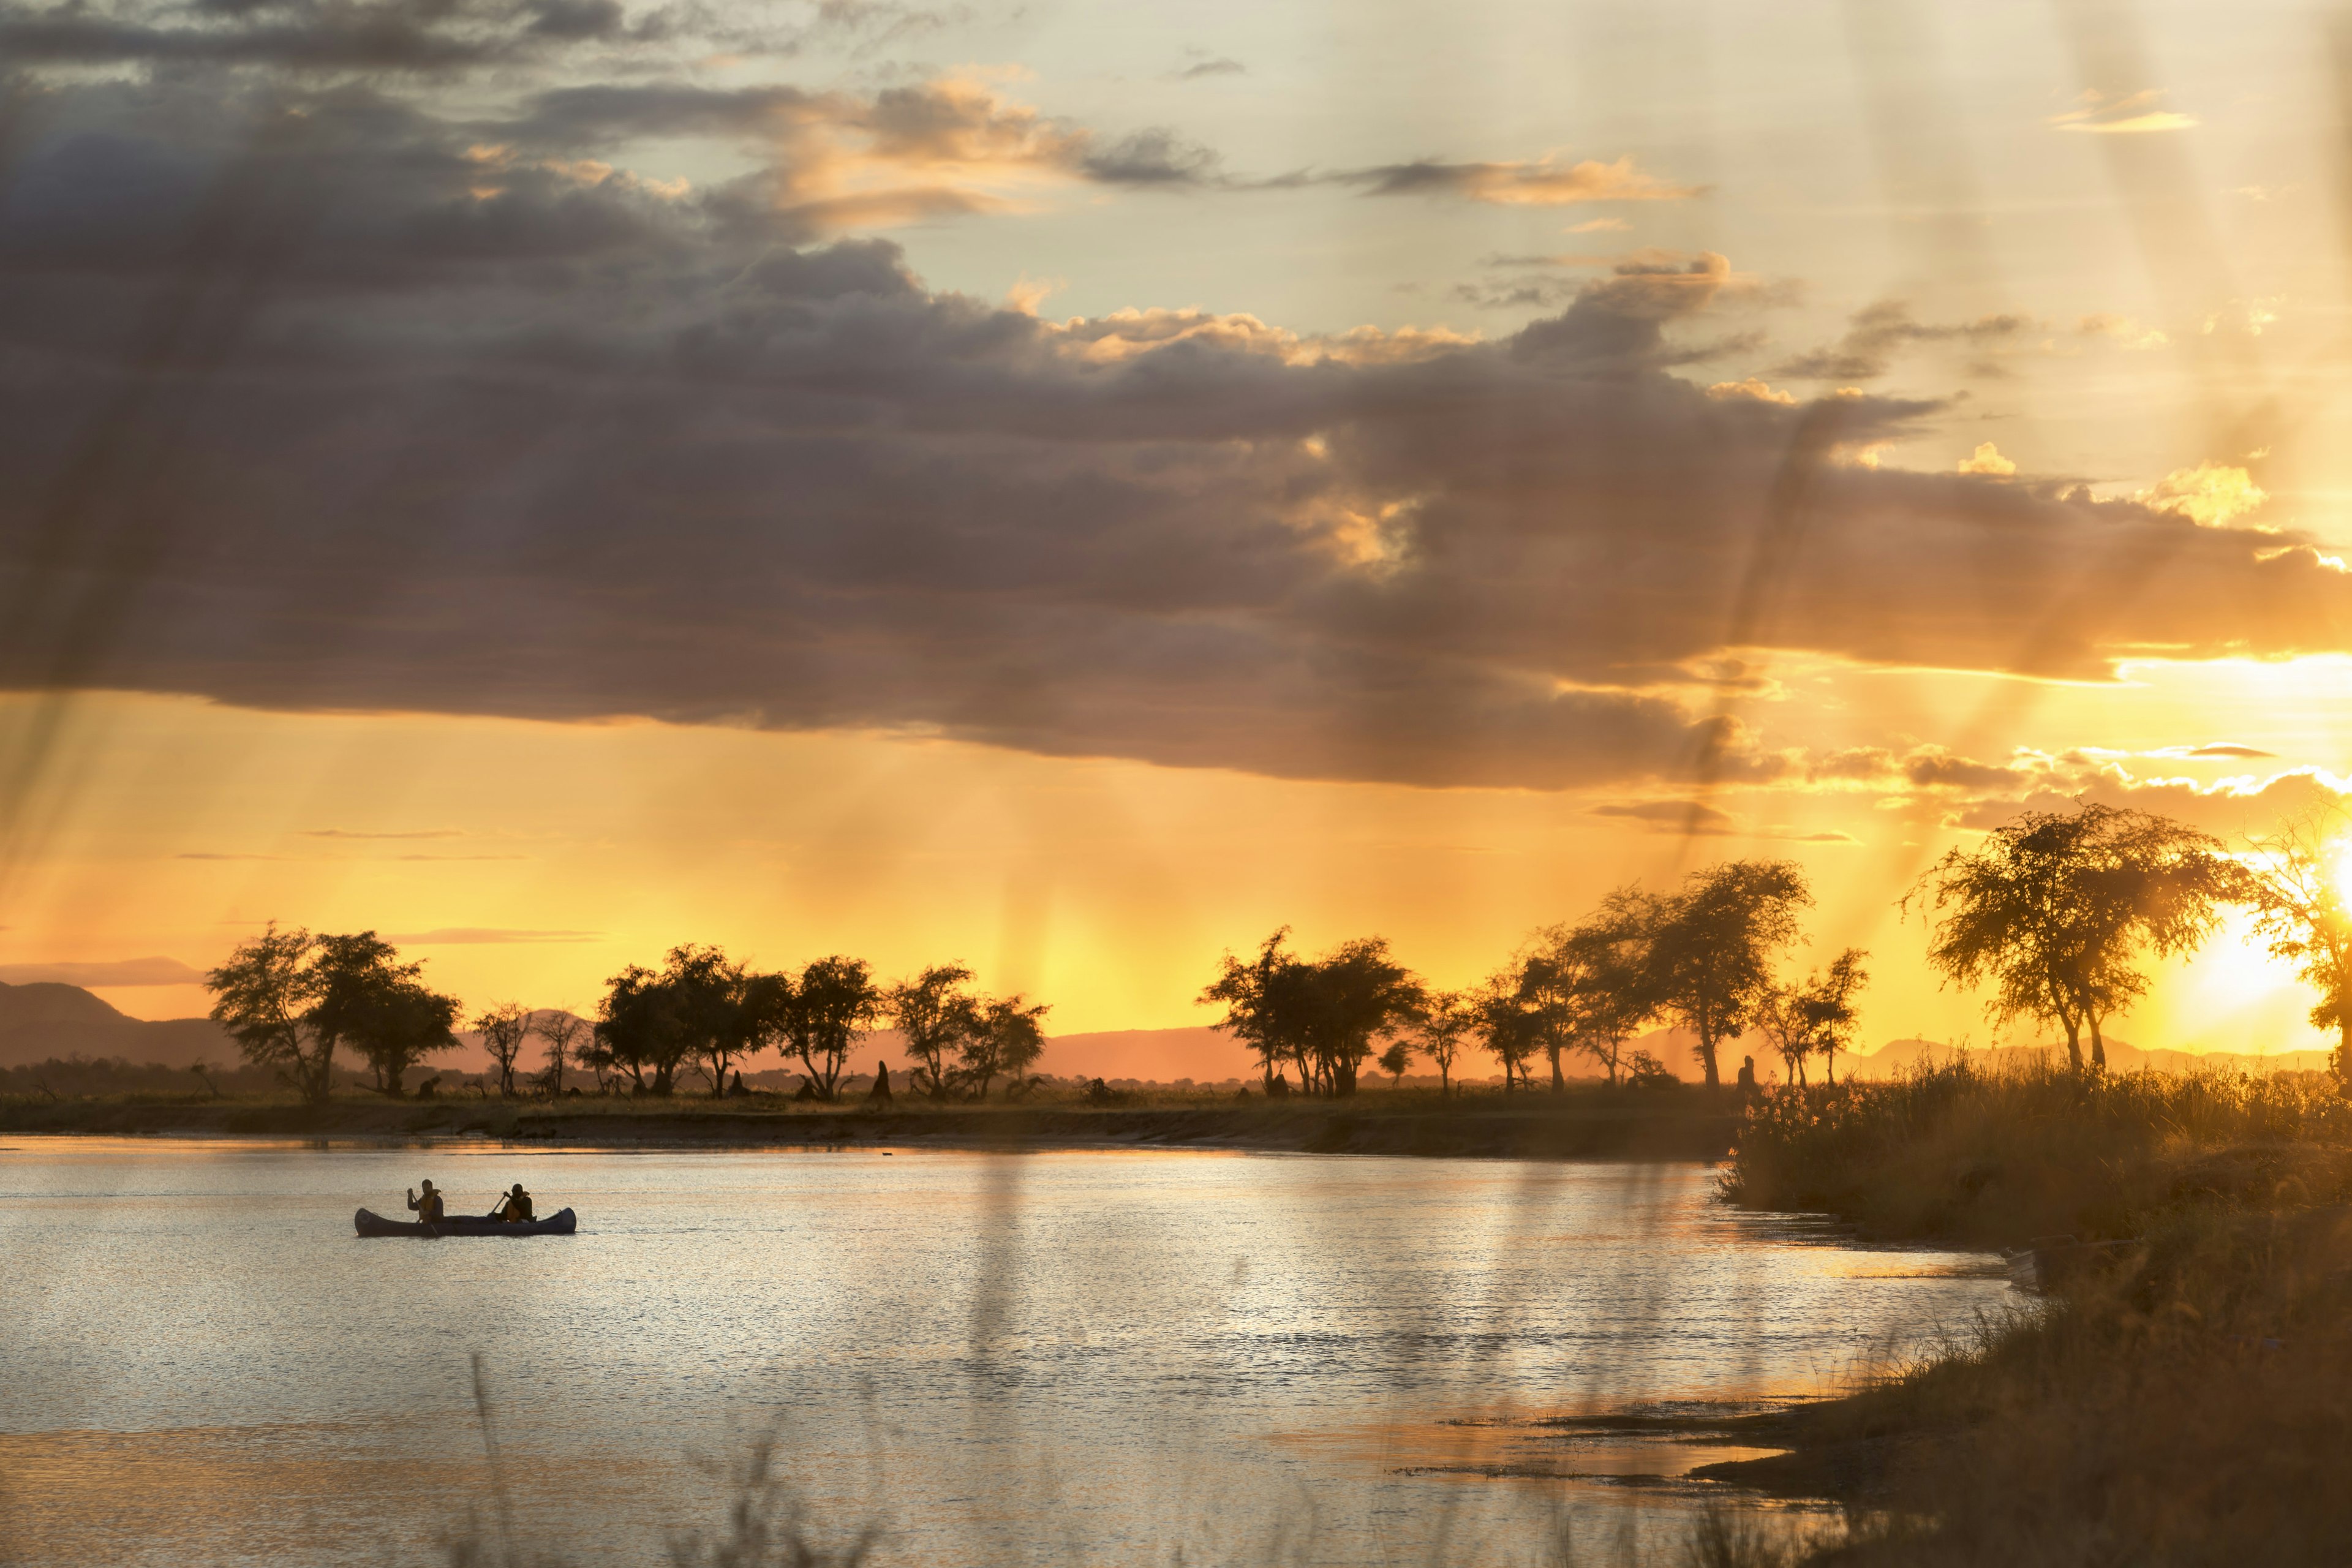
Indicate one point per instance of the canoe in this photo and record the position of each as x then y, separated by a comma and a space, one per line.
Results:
563, 1222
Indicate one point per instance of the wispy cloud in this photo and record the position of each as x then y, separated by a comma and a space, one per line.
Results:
1218, 66
487, 936
104, 974
2131, 114
345, 833
1540, 182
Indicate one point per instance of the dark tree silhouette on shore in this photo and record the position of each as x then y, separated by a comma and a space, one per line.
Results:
1712, 946
1258, 997
2053, 909
504, 1030
1321, 1015
290, 999
821, 1015
1006, 1040
637, 1030
560, 1031
1510, 1031
937, 1015
2296, 884
1826, 1001
1447, 1018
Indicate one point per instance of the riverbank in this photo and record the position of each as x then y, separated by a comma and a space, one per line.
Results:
2182, 1397
1579, 1123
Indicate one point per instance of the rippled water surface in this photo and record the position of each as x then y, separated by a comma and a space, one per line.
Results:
1078, 1357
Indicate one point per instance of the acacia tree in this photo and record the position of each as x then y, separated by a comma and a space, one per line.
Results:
1396, 1060
504, 1030
263, 996
1356, 993
936, 1015
1780, 1018
1611, 955
1826, 1004
290, 999
368, 1002
820, 1016
1711, 948
707, 996
1005, 1041
1506, 1029
561, 1030
1256, 997
2053, 909
1445, 1019
2296, 882
1549, 976
637, 1030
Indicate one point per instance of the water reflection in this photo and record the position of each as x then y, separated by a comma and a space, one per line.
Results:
1101, 1356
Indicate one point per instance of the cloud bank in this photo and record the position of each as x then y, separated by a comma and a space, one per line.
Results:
328, 393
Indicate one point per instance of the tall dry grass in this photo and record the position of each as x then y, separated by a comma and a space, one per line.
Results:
1997, 1156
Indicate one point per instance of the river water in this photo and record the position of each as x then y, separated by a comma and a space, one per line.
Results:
1091, 1357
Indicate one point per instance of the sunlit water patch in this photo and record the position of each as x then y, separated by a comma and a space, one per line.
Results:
1096, 1357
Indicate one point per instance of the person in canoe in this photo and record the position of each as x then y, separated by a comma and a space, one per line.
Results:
514, 1208
428, 1207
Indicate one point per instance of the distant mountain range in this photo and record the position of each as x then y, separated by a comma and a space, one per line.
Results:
45, 1019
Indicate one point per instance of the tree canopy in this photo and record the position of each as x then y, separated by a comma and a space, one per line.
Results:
2053, 909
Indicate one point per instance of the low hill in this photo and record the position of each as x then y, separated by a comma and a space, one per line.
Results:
45, 1020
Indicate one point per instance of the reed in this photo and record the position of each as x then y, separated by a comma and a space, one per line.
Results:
1963, 1152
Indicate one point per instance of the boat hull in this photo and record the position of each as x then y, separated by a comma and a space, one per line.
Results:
563, 1222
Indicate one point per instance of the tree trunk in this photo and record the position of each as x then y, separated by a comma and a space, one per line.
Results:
2073, 1043
1558, 1084
1706, 1058
2098, 1046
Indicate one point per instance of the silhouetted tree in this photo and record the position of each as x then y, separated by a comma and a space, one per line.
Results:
291, 999
936, 1015
708, 995
1778, 1015
1711, 948
263, 996
1614, 973
1005, 1041
1259, 998
822, 1015
1396, 1060
1506, 1029
370, 1002
505, 1030
2051, 909
1827, 1002
1550, 981
637, 1030
1446, 1020
1356, 993
2296, 886
560, 1031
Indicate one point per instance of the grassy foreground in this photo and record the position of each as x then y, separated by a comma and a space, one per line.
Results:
2184, 1400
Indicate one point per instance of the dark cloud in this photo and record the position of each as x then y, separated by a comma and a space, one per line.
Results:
1221, 66
377, 408
1880, 332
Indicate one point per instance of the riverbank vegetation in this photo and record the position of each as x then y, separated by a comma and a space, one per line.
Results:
2181, 1394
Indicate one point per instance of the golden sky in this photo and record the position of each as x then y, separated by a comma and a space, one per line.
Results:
1072, 488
